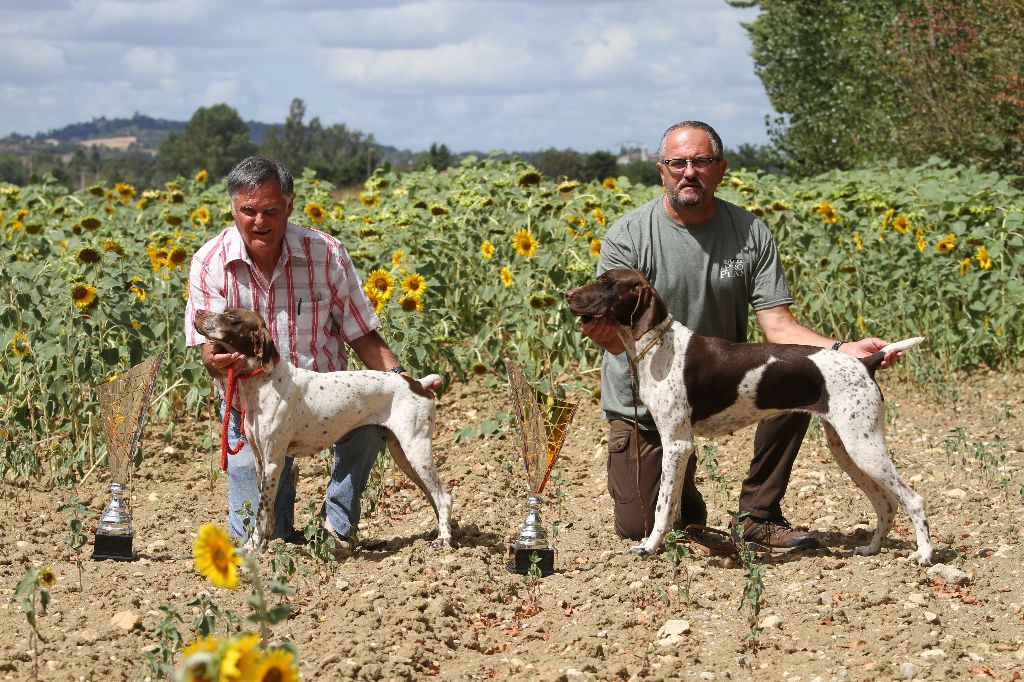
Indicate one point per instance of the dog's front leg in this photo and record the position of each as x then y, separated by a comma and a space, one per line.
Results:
269, 475
676, 453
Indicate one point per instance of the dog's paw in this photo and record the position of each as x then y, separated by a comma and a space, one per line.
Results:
441, 544
641, 550
923, 557
866, 550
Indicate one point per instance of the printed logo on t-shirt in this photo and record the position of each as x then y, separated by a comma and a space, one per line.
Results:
731, 267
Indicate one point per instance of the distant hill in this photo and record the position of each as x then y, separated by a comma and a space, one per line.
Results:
149, 131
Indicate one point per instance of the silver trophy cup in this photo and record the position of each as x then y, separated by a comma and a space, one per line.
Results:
115, 534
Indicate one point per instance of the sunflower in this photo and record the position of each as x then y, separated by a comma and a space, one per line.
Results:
780, 205
172, 219
487, 249
203, 644
567, 186
396, 258
375, 299
965, 265
47, 577
984, 260
202, 176
87, 255
528, 178
595, 247
215, 556
610, 183
414, 284
921, 243
369, 199
90, 222
438, 210
901, 224
241, 658
506, 277
858, 242
947, 243
382, 282
277, 665
755, 209
177, 257
124, 191
524, 243
827, 212
19, 345
600, 217
140, 293
157, 257
200, 216
84, 295
315, 212
110, 246
411, 304
338, 212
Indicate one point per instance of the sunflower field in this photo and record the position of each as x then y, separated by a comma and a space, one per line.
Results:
468, 266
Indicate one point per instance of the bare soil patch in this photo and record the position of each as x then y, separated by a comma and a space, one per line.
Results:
406, 612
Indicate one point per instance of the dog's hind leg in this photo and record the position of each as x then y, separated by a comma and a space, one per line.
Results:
870, 466
416, 460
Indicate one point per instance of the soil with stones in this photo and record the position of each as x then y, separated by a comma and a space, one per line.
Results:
404, 611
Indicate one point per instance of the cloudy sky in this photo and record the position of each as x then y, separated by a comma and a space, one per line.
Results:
473, 74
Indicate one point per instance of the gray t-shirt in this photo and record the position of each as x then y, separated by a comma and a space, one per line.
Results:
707, 275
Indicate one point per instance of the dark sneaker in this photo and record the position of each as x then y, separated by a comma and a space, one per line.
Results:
778, 535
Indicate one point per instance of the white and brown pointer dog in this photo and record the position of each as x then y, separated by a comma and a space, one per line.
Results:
704, 386
290, 411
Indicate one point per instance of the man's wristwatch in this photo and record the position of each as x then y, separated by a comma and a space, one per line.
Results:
398, 370
835, 346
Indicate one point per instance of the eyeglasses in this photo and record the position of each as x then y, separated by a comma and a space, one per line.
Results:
700, 163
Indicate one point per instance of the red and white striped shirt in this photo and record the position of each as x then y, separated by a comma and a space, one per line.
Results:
313, 303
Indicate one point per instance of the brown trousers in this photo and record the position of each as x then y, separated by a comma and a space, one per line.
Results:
635, 491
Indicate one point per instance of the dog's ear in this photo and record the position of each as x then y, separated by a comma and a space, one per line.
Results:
263, 347
649, 311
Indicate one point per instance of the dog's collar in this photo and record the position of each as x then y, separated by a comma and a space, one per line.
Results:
661, 329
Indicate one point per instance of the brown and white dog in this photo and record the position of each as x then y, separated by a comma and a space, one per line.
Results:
290, 411
704, 386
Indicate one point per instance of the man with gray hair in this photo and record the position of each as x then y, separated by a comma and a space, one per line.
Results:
709, 261
302, 281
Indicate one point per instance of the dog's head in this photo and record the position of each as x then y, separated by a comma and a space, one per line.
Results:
239, 331
623, 295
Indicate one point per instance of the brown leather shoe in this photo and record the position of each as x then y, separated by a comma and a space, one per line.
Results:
778, 535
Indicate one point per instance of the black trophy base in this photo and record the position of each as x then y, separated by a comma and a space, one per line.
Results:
522, 559
114, 547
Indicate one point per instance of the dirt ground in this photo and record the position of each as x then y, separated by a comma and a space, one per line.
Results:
406, 612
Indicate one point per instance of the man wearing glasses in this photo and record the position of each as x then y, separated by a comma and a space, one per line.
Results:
709, 260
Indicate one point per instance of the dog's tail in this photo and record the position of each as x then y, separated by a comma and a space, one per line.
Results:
873, 361
430, 379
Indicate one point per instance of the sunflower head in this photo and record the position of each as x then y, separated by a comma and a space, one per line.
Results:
506, 277
524, 243
396, 258
241, 658
439, 210
600, 217
84, 296
901, 224
595, 247
90, 222
202, 176
827, 212
375, 299
200, 216
487, 249
87, 255
176, 257
19, 345
414, 284
47, 577
984, 259
315, 212
382, 282
411, 304
567, 186
528, 178
947, 243
276, 665
215, 556
610, 183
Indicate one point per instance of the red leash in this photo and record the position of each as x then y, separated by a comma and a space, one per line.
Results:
225, 448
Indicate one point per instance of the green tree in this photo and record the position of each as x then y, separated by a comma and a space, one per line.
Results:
215, 138
598, 166
858, 82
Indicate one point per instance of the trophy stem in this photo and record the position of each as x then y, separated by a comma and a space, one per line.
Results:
115, 534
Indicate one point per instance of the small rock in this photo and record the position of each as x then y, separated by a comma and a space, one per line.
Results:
152, 497
825, 598
933, 654
674, 627
87, 636
156, 547
771, 623
909, 670
955, 493
930, 617
951, 576
126, 620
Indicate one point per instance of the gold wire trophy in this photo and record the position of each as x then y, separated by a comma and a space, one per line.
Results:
123, 401
542, 421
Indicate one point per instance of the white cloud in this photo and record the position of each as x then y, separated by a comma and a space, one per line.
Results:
27, 61
150, 63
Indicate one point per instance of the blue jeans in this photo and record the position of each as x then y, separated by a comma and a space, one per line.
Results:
354, 456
